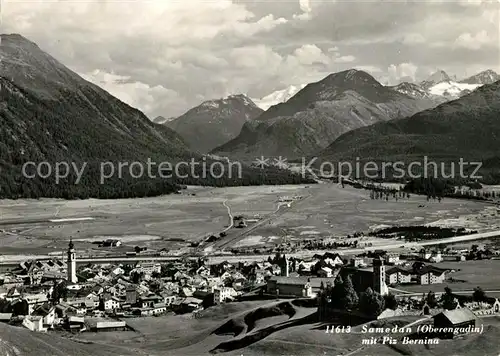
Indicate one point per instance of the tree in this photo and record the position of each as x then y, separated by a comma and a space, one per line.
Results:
390, 301
371, 303
60, 292
479, 295
350, 298
448, 299
431, 299
337, 292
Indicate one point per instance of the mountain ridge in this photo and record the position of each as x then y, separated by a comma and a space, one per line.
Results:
214, 122
317, 114
447, 132
50, 114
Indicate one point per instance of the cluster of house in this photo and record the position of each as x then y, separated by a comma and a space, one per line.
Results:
47, 294
54, 292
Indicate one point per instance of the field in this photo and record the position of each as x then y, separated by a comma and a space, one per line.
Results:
469, 275
168, 221
330, 210
174, 221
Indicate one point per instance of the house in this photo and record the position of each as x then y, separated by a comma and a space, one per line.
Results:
116, 271
111, 243
111, 303
148, 268
48, 314
150, 300
425, 254
431, 275
64, 309
392, 258
168, 298
131, 295
159, 308
35, 300
192, 304
239, 283
455, 320
97, 325
34, 323
258, 276
289, 286
325, 272
5, 317
13, 294
398, 275
357, 262
203, 271
334, 261
221, 294
436, 257
75, 323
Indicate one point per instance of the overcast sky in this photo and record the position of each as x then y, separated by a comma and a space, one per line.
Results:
166, 56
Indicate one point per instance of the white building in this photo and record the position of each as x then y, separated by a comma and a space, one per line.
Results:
111, 303
34, 323
71, 263
432, 276
392, 258
379, 284
221, 294
398, 276
149, 268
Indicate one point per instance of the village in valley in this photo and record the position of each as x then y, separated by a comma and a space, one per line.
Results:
393, 273
56, 295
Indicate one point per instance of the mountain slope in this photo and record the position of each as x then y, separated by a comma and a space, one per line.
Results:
318, 114
50, 114
214, 122
18, 341
485, 77
465, 128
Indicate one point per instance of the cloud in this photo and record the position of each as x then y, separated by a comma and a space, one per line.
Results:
345, 59
476, 41
136, 94
402, 70
305, 7
413, 38
310, 54
166, 56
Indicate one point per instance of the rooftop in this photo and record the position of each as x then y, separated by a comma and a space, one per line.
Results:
458, 316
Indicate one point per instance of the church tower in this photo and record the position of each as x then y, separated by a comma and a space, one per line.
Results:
379, 284
71, 263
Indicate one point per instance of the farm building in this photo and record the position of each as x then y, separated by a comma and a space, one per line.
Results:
97, 324
457, 321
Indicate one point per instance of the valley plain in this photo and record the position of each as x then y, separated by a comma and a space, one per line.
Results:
41, 227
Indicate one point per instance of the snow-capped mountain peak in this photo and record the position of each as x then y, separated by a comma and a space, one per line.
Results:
411, 89
435, 78
234, 99
279, 96
451, 89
